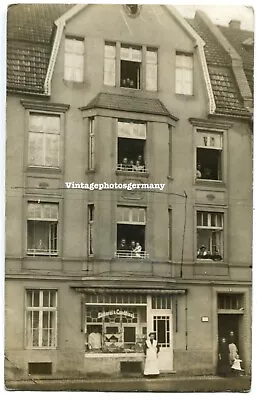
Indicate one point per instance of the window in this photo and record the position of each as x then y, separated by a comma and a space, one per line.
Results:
131, 232
209, 155
184, 74
74, 60
131, 71
44, 140
132, 10
42, 224
131, 146
233, 301
170, 234
41, 318
91, 144
90, 229
114, 328
210, 235
151, 69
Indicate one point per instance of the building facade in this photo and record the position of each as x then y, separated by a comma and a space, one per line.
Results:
125, 94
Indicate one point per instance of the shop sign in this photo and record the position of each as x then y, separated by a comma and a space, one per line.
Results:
116, 312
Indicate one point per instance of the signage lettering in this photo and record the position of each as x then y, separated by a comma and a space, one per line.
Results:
115, 312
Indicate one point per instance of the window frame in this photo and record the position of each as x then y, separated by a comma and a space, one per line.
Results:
91, 143
212, 209
143, 67
223, 157
118, 166
182, 69
41, 309
58, 235
82, 56
90, 229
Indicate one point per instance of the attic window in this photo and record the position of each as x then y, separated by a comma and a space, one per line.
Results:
74, 60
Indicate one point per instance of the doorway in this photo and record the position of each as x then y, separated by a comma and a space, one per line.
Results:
162, 326
232, 322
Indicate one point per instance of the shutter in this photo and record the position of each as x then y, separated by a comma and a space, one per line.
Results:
151, 70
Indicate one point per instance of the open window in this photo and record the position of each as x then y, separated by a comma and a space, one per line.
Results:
209, 156
131, 232
131, 146
42, 229
210, 243
130, 67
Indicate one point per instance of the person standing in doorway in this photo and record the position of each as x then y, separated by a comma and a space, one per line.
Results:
151, 361
233, 350
223, 366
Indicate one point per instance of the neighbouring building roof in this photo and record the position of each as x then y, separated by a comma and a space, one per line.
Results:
119, 102
243, 43
30, 30
225, 89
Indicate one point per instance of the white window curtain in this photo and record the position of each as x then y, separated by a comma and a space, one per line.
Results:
131, 130
109, 64
44, 140
74, 60
184, 74
130, 54
131, 215
151, 70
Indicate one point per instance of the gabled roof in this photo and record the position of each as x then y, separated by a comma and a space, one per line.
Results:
119, 102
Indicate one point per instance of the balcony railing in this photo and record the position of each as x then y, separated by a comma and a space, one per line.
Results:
131, 168
131, 254
42, 252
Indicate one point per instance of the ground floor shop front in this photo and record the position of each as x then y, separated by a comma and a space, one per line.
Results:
74, 329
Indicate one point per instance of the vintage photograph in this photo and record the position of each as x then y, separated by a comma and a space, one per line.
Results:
129, 206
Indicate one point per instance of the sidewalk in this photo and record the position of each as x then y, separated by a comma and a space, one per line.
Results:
163, 383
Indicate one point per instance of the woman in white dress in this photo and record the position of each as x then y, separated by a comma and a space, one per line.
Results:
151, 361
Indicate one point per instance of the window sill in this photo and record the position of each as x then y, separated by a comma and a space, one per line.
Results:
41, 348
129, 256
41, 255
48, 170
209, 183
210, 261
132, 173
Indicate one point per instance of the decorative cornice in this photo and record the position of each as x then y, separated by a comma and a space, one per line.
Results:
204, 123
45, 106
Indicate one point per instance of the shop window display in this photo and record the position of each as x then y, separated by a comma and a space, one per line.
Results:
115, 329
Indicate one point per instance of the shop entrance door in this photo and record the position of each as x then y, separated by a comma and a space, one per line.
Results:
162, 326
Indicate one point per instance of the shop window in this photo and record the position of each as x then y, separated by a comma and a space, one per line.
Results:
41, 318
131, 232
116, 298
129, 334
42, 223
44, 140
114, 329
131, 146
209, 156
210, 235
184, 74
234, 301
74, 60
